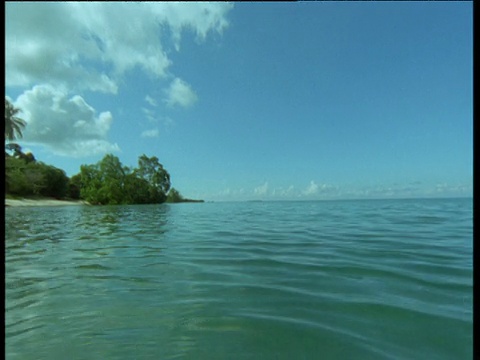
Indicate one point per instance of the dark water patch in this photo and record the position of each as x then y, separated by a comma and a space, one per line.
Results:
93, 267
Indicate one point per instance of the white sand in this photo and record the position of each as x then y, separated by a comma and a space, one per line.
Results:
43, 202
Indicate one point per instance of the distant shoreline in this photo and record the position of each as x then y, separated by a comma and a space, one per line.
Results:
25, 202
43, 202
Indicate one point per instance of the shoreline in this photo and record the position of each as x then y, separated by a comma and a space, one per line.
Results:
43, 202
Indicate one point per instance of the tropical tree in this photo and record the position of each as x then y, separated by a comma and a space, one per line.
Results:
109, 182
113, 178
16, 151
55, 181
25, 177
151, 170
74, 186
13, 124
16, 182
137, 190
91, 182
174, 196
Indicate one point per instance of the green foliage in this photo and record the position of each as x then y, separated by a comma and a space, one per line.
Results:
113, 176
26, 178
152, 171
28, 157
35, 178
174, 196
108, 182
15, 179
102, 183
136, 190
13, 124
55, 181
91, 183
74, 186
13, 149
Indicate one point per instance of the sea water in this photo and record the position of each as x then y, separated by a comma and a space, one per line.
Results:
365, 279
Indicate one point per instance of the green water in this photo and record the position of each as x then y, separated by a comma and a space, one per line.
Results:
385, 279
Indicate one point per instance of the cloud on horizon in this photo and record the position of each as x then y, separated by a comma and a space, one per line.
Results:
316, 191
261, 190
282, 192
311, 189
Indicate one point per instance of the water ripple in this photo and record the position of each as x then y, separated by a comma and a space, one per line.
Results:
359, 279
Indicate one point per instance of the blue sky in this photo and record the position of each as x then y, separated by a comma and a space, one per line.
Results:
243, 101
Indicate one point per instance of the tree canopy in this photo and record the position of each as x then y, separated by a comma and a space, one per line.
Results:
25, 176
13, 124
174, 196
109, 182
106, 182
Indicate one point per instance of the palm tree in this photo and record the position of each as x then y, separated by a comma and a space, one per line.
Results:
13, 124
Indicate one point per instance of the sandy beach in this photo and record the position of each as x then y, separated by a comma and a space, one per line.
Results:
43, 202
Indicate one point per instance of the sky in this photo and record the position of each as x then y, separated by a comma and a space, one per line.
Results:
252, 101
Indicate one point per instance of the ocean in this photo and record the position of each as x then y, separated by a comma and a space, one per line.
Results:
363, 279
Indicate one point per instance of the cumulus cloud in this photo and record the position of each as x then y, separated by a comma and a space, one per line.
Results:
311, 189
320, 189
180, 93
66, 125
90, 45
282, 192
262, 189
408, 190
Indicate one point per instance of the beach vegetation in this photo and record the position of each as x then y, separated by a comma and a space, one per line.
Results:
109, 182
27, 177
13, 124
174, 196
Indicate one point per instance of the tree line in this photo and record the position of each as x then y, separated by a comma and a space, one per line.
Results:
107, 182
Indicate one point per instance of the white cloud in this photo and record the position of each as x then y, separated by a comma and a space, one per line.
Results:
180, 93
311, 189
282, 192
150, 115
262, 189
444, 189
150, 100
201, 17
324, 190
66, 125
90, 45
226, 194
155, 117
57, 49
407, 190
150, 133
